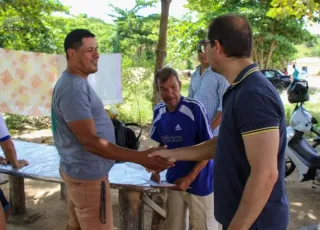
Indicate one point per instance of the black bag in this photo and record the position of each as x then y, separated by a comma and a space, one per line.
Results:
126, 137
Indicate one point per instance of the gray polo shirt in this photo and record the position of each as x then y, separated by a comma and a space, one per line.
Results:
73, 99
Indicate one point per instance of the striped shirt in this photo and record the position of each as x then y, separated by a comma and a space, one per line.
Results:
186, 126
208, 89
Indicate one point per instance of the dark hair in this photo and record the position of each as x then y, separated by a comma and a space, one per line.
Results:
73, 40
201, 41
164, 74
234, 33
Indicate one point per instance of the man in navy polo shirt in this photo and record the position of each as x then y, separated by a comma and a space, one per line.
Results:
178, 122
249, 154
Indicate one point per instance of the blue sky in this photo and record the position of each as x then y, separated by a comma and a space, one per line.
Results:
101, 9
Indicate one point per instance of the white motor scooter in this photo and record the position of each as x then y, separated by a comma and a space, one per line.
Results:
302, 155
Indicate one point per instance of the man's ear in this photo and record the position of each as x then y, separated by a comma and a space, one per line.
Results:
180, 84
218, 47
71, 53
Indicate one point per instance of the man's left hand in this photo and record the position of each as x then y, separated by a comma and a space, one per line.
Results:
3, 161
182, 184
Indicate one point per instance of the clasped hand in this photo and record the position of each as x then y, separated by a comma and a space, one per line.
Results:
154, 163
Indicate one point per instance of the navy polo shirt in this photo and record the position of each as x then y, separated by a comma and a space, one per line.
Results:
251, 105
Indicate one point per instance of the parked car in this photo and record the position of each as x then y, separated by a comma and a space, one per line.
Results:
277, 78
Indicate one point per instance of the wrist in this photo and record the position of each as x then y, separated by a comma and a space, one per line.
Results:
177, 155
138, 159
190, 178
15, 164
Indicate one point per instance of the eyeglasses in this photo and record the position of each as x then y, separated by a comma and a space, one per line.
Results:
202, 47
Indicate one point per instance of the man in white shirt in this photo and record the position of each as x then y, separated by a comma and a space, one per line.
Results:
10, 158
208, 87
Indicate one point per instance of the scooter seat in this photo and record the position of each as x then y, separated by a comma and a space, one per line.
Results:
305, 151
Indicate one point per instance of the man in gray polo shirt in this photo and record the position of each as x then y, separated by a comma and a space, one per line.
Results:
208, 87
84, 136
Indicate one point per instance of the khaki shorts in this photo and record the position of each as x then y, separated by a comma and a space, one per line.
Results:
200, 209
85, 210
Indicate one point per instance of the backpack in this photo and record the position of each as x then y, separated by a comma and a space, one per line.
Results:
126, 137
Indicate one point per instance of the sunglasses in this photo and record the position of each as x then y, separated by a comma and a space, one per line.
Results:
202, 47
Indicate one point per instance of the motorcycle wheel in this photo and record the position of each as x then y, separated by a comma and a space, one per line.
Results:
290, 167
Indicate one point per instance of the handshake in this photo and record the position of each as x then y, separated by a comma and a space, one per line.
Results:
156, 159
161, 159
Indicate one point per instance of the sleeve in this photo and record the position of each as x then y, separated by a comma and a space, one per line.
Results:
223, 85
75, 105
4, 132
204, 131
191, 94
154, 134
258, 112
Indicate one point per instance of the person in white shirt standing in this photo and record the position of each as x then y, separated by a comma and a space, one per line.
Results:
208, 87
9, 150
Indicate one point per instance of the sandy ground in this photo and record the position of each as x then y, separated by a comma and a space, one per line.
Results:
43, 198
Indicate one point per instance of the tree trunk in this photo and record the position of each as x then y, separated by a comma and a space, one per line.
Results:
258, 51
162, 44
261, 59
254, 56
131, 210
17, 196
271, 49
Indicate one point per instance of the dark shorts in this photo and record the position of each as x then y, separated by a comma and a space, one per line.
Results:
4, 202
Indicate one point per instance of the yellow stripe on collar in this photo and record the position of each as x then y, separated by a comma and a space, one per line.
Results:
250, 71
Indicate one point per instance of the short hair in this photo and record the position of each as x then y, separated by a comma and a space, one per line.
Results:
234, 33
73, 40
164, 74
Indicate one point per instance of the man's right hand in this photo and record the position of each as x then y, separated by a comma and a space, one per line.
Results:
157, 164
154, 163
169, 155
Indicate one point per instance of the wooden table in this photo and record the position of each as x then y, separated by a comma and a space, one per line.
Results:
128, 178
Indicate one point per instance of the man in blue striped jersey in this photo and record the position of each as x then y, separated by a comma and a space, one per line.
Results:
179, 122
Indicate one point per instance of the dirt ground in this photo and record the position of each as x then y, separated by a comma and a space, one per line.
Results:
43, 199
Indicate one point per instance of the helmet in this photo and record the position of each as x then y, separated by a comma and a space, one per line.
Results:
298, 91
301, 120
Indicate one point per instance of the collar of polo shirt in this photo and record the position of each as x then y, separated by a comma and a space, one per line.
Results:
245, 73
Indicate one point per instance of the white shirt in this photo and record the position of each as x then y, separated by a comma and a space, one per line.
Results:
4, 133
